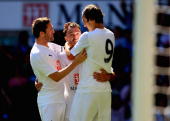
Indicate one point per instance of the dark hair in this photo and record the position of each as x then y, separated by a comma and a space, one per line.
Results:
92, 12
69, 25
39, 25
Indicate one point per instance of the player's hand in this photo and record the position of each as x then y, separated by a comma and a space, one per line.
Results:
67, 50
103, 76
38, 85
81, 57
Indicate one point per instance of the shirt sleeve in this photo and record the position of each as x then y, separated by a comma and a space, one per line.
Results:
81, 44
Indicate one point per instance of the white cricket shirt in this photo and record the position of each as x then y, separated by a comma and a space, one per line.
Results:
45, 61
99, 45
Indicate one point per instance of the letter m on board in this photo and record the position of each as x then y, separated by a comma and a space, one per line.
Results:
69, 14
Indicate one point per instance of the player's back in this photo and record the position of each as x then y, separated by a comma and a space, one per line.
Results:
101, 47
100, 55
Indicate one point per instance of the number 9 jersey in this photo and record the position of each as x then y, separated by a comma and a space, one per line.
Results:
99, 45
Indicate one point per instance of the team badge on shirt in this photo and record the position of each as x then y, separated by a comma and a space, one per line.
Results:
58, 65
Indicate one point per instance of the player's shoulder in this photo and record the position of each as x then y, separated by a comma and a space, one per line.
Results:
55, 47
108, 30
36, 56
84, 34
37, 51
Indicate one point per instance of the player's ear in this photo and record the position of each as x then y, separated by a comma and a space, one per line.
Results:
42, 34
65, 38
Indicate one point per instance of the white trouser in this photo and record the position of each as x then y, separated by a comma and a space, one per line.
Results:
68, 107
52, 112
93, 106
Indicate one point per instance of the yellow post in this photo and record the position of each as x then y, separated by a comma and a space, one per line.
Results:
143, 61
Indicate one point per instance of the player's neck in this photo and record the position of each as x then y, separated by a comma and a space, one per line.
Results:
97, 25
42, 42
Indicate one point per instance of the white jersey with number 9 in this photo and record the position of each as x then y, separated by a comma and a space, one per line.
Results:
99, 45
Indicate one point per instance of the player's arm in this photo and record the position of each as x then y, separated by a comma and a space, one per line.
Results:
81, 44
58, 75
103, 76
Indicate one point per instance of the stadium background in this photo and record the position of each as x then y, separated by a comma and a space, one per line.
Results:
17, 91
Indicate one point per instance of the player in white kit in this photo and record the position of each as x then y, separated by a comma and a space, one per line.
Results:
92, 101
46, 65
72, 33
